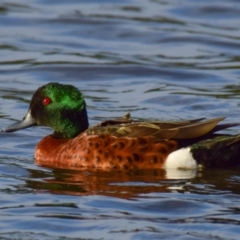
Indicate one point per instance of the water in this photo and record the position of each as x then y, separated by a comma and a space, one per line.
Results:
157, 59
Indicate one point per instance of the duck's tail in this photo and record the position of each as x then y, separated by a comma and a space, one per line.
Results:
218, 152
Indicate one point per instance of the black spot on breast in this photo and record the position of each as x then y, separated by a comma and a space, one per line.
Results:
155, 159
129, 159
121, 145
162, 150
119, 158
96, 145
136, 157
100, 151
106, 155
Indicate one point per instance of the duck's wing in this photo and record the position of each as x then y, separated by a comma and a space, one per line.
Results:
163, 124
156, 129
195, 130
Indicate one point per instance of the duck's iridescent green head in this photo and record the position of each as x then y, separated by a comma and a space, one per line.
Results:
61, 107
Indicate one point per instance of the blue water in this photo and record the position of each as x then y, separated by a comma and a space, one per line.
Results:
156, 59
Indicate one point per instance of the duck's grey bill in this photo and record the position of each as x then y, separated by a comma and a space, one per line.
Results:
27, 121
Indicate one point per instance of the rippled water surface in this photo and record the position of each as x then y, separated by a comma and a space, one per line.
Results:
154, 58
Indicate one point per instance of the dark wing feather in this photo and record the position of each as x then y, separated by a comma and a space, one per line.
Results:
197, 129
126, 127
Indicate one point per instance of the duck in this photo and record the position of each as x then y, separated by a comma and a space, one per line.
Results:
122, 143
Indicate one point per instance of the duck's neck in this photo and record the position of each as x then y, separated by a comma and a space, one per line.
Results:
73, 123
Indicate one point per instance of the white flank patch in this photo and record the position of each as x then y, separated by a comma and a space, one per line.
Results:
181, 159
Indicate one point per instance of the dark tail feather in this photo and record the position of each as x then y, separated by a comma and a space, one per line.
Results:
224, 126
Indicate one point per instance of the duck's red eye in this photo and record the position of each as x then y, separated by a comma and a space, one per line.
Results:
46, 101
